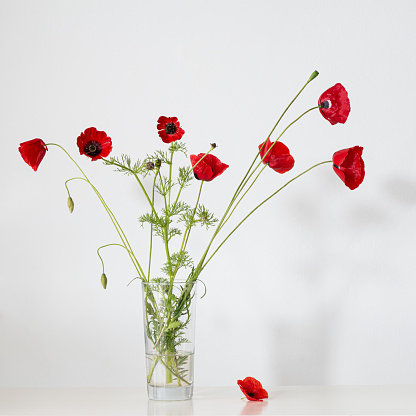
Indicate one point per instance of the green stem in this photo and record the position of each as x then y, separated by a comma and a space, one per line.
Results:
271, 147
190, 172
149, 376
258, 206
170, 175
241, 187
193, 215
107, 245
151, 228
109, 212
166, 228
138, 180
271, 132
173, 372
187, 231
236, 205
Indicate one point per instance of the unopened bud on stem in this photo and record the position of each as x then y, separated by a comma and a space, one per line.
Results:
70, 204
313, 76
104, 280
150, 165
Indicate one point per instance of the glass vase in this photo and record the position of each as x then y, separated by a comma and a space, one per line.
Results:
169, 332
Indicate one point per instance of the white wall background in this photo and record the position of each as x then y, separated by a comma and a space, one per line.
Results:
317, 288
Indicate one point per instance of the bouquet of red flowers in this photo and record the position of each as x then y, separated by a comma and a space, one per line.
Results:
172, 220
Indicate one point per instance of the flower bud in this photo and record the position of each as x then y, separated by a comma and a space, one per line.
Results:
150, 165
70, 204
104, 280
158, 163
213, 145
313, 76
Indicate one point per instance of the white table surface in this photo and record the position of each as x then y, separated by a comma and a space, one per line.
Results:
293, 400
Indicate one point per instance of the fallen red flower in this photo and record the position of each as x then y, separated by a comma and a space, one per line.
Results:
349, 166
33, 151
335, 104
94, 144
169, 129
279, 158
253, 389
208, 168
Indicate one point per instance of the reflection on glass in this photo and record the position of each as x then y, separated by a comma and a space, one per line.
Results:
170, 408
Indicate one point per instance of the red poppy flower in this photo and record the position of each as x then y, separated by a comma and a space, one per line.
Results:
253, 389
349, 166
335, 104
169, 129
279, 158
208, 168
94, 144
33, 152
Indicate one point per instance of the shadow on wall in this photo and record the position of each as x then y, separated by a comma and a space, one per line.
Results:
301, 349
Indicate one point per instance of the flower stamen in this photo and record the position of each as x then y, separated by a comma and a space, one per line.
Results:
92, 148
171, 128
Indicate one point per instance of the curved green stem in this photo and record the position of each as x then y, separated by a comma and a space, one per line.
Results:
271, 147
239, 190
107, 245
109, 212
258, 206
236, 205
313, 76
69, 180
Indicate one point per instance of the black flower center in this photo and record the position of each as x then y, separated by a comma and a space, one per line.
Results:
326, 104
92, 148
171, 128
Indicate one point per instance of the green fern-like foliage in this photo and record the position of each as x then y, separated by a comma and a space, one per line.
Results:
124, 165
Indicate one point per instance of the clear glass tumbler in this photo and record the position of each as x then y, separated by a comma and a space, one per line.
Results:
169, 331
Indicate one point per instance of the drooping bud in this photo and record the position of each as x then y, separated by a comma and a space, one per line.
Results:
150, 165
70, 204
158, 163
104, 280
213, 145
313, 76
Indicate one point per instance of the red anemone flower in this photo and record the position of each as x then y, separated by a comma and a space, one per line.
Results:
335, 104
253, 389
94, 144
349, 166
33, 152
279, 158
169, 129
208, 168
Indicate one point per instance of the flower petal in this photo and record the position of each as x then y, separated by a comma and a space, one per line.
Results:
208, 168
252, 389
349, 166
338, 104
97, 138
278, 158
33, 151
169, 136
